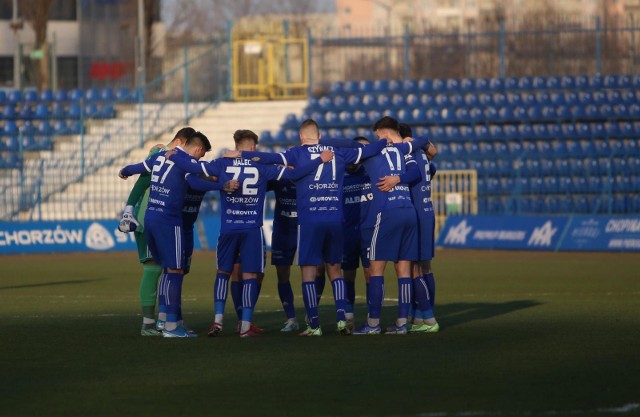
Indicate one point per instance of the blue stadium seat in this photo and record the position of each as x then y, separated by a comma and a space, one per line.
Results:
613, 130
626, 129
598, 130
620, 111
616, 146
90, 110
14, 97
382, 100
536, 185
623, 81
524, 83
482, 132
499, 99
360, 117
26, 112
520, 113
485, 99
586, 98
466, 85
581, 82
412, 100
462, 115
433, 116
605, 111
353, 102
60, 96
468, 134
365, 86
8, 112
561, 166
125, 95
336, 87
425, 85
336, 102
551, 185
92, 94
610, 81
599, 97
368, 101
31, 96
491, 114
481, 84
515, 149
394, 86
595, 81
628, 97
588, 148
76, 94
556, 98
539, 83
350, 87
57, 111
10, 128
511, 132
583, 130
442, 100
60, 127
427, 100
514, 99
534, 113
476, 115
500, 148
437, 132
549, 113
553, 83
470, 99
378, 86
529, 99
565, 185
266, 137
567, 82
409, 86
554, 130
595, 184
42, 112
576, 166
438, 85
107, 94
496, 84
74, 111
545, 149
525, 131
510, 83
453, 85
398, 100
45, 128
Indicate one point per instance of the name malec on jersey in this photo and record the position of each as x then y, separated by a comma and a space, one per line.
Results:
241, 162
160, 189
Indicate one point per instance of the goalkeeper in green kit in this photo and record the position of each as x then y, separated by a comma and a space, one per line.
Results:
132, 221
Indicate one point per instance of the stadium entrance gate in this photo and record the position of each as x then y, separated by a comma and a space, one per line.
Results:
454, 192
270, 68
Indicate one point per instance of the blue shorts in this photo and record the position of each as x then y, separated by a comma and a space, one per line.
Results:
166, 243
247, 245
320, 242
394, 236
426, 237
284, 243
356, 245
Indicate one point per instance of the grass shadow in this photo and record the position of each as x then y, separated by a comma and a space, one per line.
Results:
454, 314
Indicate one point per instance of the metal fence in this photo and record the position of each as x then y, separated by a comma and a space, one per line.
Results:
59, 150
556, 47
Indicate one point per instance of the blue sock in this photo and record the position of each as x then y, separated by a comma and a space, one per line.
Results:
220, 290
286, 298
431, 286
174, 295
351, 295
162, 293
405, 297
422, 297
249, 298
376, 294
236, 296
340, 296
320, 281
310, 299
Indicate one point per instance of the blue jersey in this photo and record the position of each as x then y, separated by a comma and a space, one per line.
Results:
243, 209
358, 198
193, 199
389, 162
319, 194
286, 209
168, 183
421, 190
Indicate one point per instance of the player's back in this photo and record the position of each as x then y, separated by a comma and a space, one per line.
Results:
421, 191
168, 187
286, 208
357, 197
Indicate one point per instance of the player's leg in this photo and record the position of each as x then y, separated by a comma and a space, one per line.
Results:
283, 249
226, 251
333, 252
424, 283
252, 242
350, 263
309, 257
321, 280
405, 296
148, 290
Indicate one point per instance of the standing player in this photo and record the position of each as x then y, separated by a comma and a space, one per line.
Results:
242, 216
319, 200
394, 236
164, 222
132, 221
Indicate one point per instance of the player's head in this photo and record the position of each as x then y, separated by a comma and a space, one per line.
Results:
246, 140
180, 139
405, 130
387, 128
354, 167
197, 145
309, 131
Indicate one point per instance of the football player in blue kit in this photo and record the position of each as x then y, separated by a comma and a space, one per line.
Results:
164, 219
242, 216
319, 202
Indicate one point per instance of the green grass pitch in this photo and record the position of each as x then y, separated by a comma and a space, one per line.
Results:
522, 334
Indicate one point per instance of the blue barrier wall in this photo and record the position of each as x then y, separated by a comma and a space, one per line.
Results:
557, 233
94, 236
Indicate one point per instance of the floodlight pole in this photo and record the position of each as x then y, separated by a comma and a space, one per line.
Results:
141, 67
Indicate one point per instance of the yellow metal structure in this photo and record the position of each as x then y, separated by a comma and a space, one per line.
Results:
270, 68
460, 184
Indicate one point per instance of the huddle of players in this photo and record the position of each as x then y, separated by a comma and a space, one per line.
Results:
383, 221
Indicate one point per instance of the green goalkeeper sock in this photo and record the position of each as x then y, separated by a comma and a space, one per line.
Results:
149, 289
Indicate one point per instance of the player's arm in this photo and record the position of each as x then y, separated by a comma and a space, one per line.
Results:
306, 168
341, 143
355, 156
134, 169
411, 176
411, 145
201, 184
265, 157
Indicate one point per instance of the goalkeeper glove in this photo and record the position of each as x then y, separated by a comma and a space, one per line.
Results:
128, 222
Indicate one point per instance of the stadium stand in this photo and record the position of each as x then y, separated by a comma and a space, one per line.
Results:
539, 144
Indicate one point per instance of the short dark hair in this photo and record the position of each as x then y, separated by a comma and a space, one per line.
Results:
244, 134
386, 122
359, 138
184, 133
199, 139
405, 130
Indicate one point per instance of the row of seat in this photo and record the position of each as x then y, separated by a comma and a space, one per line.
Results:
63, 96
455, 85
559, 185
340, 102
58, 111
43, 128
580, 204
